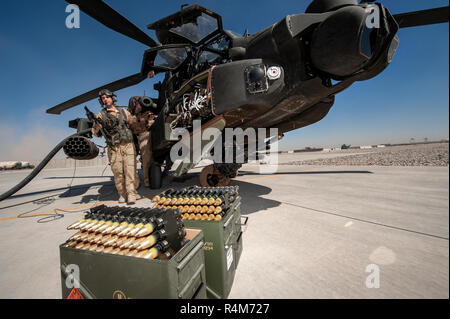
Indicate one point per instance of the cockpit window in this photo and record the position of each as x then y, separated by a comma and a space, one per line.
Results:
170, 57
210, 57
196, 31
222, 44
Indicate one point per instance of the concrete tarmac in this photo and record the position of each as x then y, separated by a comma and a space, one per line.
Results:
313, 231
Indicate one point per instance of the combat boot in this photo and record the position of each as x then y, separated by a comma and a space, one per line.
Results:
121, 199
131, 199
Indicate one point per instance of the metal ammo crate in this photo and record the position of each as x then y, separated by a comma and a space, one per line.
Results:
223, 248
108, 276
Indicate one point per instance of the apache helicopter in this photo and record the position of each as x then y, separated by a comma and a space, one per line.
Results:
285, 76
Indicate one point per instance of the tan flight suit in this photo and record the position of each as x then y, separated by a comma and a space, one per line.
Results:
141, 127
145, 144
122, 157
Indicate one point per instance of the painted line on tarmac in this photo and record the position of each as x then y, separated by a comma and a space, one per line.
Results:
367, 221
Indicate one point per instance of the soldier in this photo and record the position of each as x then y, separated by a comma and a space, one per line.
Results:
121, 150
142, 125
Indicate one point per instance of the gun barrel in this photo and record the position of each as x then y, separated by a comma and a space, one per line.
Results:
145, 101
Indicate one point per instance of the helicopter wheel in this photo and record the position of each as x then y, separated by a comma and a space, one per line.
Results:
209, 177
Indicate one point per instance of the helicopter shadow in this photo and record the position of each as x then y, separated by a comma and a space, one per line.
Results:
79, 190
106, 192
251, 197
251, 194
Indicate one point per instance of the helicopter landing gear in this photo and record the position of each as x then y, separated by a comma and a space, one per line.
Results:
211, 177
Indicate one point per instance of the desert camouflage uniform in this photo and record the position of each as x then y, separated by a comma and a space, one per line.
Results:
122, 156
141, 127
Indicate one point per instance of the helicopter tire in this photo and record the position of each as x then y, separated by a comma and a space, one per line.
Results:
210, 177
155, 176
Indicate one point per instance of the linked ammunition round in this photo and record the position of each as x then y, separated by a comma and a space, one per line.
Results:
120, 241
133, 253
76, 224
119, 228
108, 249
104, 226
151, 253
84, 236
97, 226
146, 230
204, 209
136, 243
71, 243
79, 245
88, 226
76, 236
147, 242
126, 243
110, 228
135, 229
115, 251
100, 248
112, 241
97, 239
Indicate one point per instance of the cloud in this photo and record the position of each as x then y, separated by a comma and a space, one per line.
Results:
30, 144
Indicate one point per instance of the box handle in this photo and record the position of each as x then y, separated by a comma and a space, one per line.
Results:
242, 224
238, 205
190, 255
228, 221
190, 281
239, 237
246, 220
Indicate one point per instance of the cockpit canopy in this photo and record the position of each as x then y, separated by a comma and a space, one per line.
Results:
193, 25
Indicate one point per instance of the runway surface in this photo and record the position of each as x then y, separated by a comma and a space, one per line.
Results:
313, 231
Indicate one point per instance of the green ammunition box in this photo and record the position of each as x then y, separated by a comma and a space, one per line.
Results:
223, 248
108, 276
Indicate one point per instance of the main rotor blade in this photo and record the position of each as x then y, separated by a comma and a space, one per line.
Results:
106, 15
114, 86
424, 17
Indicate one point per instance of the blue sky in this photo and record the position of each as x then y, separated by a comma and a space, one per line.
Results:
43, 63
